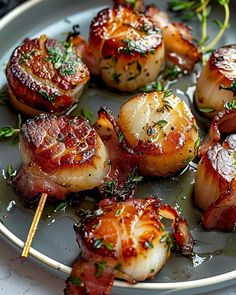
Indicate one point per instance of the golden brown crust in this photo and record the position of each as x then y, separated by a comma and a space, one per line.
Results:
38, 81
56, 142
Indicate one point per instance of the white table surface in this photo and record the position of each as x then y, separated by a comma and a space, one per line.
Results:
24, 277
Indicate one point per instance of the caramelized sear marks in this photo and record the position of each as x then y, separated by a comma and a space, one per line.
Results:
64, 150
161, 129
215, 178
125, 48
178, 40
45, 75
129, 239
216, 84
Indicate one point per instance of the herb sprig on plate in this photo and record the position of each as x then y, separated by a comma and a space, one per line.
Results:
201, 10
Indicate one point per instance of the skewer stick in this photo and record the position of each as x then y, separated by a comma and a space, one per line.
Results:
34, 225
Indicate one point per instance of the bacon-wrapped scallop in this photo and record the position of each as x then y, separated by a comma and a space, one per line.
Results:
217, 82
61, 155
161, 129
45, 75
178, 40
126, 240
125, 48
215, 187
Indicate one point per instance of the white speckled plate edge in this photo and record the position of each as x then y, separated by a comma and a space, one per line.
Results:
189, 287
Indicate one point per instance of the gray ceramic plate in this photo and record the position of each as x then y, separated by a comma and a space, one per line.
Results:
214, 263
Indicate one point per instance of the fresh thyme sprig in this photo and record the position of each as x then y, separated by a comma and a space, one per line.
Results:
9, 131
201, 10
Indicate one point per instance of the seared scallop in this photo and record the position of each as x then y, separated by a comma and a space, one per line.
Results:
59, 152
217, 82
45, 75
161, 129
215, 185
127, 240
125, 48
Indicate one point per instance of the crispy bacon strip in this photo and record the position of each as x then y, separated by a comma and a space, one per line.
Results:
120, 183
215, 177
221, 214
223, 122
61, 155
178, 39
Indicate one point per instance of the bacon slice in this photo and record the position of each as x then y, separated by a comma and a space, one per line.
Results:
121, 182
178, 40
221, 214
215, 177
87, 278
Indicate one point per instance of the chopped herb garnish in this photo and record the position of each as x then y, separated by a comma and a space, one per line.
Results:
61, 206
86, 114
230, 105
76, 281
116, 77
10, 173
48, 97
109, 246
118, 212
26, 56
100, 266
153, 86
167, 92
63, 58
152, 270
98, 243
148, 245
132, 46
161, 123
189, 159
171, 73
206, 110
168, 239
109, 187
121, 137
231, 87
197, 143
118, 267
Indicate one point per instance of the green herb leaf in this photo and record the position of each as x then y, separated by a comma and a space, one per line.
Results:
98, 243
76, 281
230, 105
148, 245
206, 110
100, 266
167, 92
197, 143
161, 123
109, 246
121, 137
61, 206
86, 114
189, 159
168, 239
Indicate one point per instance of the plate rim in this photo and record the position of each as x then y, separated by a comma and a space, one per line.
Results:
4, 231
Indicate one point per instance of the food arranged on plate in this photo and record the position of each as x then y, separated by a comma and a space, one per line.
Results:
154, 135
216, 84
161, 128
126, 240
45, 75
215, 186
